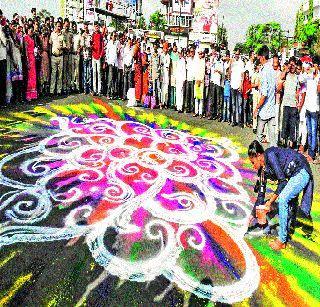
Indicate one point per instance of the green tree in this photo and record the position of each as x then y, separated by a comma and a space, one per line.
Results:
299, 24
222, 36
307, 31
118, 25
310, 13
44, 13
269, 34
142, 24
242, 47
157, 21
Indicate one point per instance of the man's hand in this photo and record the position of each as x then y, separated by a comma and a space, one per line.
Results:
251, 218
255, 113
268, 206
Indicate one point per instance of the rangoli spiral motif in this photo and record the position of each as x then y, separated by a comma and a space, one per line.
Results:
175, 201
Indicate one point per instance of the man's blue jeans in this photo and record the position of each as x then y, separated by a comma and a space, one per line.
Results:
312, 126
87, 79
226, 108
294, 187
236, 100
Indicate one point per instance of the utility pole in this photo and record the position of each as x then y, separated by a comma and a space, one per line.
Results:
180, 6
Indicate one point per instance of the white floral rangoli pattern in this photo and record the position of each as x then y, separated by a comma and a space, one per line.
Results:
175, 201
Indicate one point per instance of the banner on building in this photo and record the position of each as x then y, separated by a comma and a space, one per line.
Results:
206, 16
89, 13
185, 5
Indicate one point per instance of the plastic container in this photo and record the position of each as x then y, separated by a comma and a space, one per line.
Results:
261, 215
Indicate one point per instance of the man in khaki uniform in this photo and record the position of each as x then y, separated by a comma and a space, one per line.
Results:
57, 45
67, 57
75, 58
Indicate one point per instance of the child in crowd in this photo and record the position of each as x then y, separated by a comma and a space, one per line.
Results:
247, 103
226, 115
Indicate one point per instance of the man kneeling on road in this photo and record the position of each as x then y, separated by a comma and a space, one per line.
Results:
292, 171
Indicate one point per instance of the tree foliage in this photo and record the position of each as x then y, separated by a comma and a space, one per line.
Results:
142, 24
242, 47
269, 34
157, 21
307, 29
222, 36
44, 13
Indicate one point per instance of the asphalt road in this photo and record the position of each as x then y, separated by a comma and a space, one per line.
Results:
63, 272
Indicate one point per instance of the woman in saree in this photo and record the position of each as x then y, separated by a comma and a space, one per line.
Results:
137, 72
31, 78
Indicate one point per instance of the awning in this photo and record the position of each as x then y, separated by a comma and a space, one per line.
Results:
108, 13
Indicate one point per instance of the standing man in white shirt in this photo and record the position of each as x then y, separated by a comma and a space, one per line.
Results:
237, 70
75, 58
120, 68
250, 64
3, 63
189, 97
181, 76
112, 60
128, 62
215, 93
311, 104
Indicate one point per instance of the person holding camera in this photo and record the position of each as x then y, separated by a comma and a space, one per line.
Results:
293, 173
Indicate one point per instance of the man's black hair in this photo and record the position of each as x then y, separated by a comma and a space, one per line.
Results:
254, 149
264, 51
293, 59
33, 10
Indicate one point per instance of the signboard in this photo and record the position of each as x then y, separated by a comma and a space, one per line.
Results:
206, 16
202, 37
89, 13
185, 5
173, 30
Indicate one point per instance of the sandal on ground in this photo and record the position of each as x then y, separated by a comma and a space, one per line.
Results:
277, 245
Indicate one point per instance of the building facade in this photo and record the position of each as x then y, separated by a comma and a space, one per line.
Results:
316, 8
198, 20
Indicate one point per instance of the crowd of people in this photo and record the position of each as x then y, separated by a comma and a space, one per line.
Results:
40, 57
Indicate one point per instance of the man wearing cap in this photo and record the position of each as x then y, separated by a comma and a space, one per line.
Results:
57, 42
